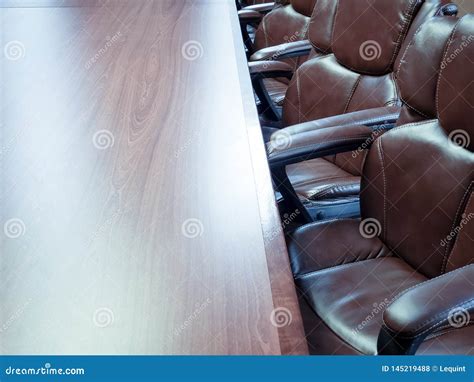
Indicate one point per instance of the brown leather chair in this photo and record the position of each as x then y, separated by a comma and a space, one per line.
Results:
275, 22
281, 41
401, 280
286, 23
282, 34
354, 84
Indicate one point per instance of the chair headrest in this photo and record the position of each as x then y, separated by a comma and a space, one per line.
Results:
455, 90
305, 7
367, 35
418, 71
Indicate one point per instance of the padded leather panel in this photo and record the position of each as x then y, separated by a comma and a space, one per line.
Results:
282, 25
319, 179
309, 98
305, 7
415, 184
285, 24
418, 87
322, 25
326, 244
321, 339
350, 298
342, 90
276, 89
455, 95
428, 9
464, 241
371, 91
373, 45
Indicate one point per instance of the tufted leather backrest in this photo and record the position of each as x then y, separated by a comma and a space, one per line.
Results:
366, 38
323, 86
305, 7
418, 69
287, 23
455, 92
321, 25
419, 178
429, 9
326, 86
368, 34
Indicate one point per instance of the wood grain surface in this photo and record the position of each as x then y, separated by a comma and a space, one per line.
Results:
136, 205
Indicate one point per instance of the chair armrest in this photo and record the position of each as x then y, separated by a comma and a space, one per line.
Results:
270, 69
259, 70
281, 51
289, 146
429, 307
303, 142
249, 17
261, 8
370, 117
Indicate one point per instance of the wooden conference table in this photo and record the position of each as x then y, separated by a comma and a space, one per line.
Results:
136, 205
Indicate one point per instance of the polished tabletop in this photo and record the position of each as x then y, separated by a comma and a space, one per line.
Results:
136, 205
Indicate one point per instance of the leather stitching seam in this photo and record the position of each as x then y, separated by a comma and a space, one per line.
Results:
299, 94
447, 255
380, 152
354, 138
328, 189
440, 75
401, 36
423, 283
353, 90
465, 304
409, 125
341, 266
382, 118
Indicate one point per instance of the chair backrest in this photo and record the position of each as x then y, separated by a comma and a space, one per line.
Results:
418, 178
287, 23
418, 69
365, 39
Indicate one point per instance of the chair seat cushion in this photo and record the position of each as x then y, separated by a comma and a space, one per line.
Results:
351, 298
320, 179
327, 244
276, 89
